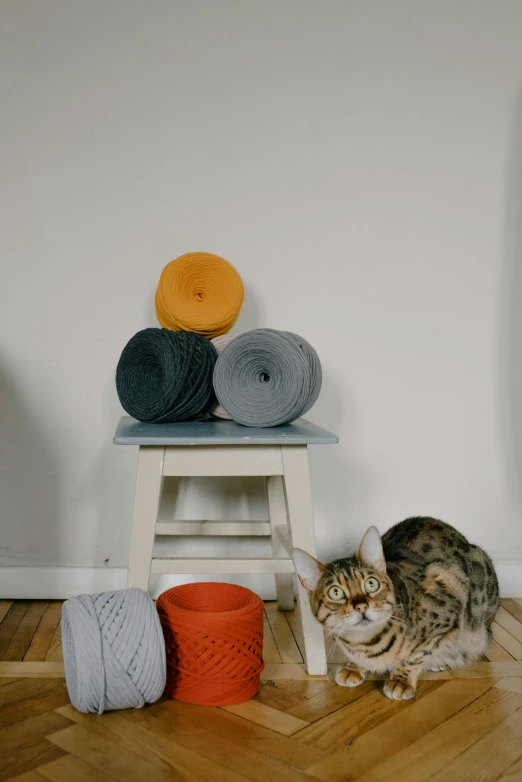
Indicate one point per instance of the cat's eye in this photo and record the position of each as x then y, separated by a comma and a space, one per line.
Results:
336, 593
371, 585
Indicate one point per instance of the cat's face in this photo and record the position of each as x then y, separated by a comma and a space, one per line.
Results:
352, 597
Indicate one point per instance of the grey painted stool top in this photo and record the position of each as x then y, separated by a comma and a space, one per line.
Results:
301, 432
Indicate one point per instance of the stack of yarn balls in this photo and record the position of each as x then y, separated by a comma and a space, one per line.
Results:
195, 368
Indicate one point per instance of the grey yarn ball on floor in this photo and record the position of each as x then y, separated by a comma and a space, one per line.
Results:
113, 651
266, 377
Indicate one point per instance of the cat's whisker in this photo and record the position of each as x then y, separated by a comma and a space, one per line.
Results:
398, 623
334, 646
334, 633
399, 618
392, 618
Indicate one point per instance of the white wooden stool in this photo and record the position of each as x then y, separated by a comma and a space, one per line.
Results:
224, 448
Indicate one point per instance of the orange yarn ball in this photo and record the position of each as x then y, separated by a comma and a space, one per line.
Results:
214, 642
199, 292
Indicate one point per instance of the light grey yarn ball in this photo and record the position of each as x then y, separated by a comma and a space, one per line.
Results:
113, 651
266, 377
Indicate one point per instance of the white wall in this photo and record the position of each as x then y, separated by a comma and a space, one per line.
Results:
359, 163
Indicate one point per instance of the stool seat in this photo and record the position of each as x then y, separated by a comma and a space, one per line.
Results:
221, 448
301, 432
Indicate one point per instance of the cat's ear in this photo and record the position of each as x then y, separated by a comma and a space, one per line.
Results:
307, 568
370, 551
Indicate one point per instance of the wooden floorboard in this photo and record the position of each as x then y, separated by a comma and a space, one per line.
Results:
270, 651
271, 718
513, 773
11, 622
43, 637
186, 744
511, 683
354, 719
324, 703
273, 694
25, 746
490, 757
495, 653
507, 640
513, 607
409, 723
35, 670
54, 652
509, 623
219, 725
37, 697
5, 605
463, 725
100, 748
71, 769
304, 689
23, 635
283, 636
438, 747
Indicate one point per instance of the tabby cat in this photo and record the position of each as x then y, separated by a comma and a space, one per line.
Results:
422, 599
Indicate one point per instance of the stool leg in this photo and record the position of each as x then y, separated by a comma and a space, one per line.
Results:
277, 509
301, 523
146, 501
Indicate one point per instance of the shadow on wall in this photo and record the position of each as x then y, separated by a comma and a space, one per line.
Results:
29, 484
510, 348
107, 489
249, 317
337, 479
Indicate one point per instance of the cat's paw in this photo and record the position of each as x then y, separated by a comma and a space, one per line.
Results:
349, 677
437, 668
399, 690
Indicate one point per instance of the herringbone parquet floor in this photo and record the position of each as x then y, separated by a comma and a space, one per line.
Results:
463, 726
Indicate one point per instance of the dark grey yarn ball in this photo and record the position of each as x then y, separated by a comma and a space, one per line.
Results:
266, 377
165, 376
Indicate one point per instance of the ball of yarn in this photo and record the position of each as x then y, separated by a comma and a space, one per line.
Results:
165, 376
266, 377
199, 292
220, 344
113, 651
214, 642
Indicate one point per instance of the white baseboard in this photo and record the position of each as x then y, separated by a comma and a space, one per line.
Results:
59, 583
509, 576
